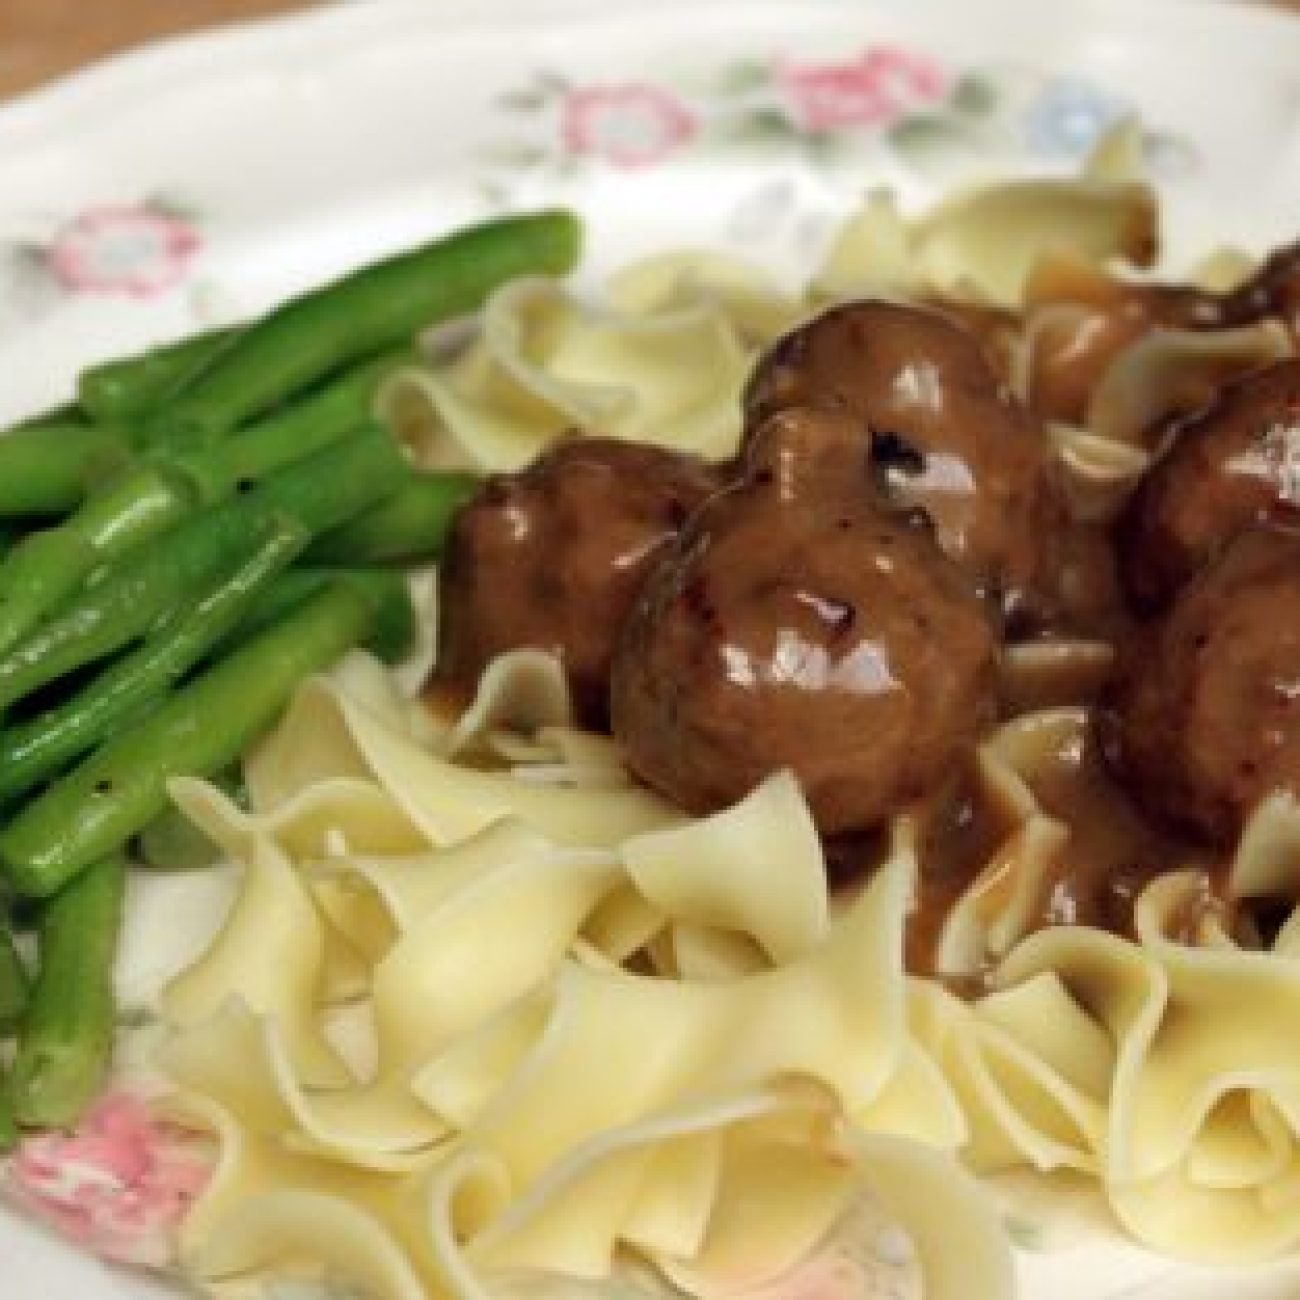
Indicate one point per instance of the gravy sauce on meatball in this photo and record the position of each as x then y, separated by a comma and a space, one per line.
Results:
794, 624
1232, 466
552, 558
1113, 850
932, 427
1208, 704
838, 600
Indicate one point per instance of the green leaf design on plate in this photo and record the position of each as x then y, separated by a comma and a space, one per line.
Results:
927, 134
769, 124
515, 154
527, 100
177, 206
832, 147
551, 83
743, 77
975, 95
494, 194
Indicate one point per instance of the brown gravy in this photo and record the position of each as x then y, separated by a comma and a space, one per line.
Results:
1112, 852
1063, 659
958, 833
1114, 849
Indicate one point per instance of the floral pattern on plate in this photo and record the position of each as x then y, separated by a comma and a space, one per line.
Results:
118, 1185
900, 99
125, 250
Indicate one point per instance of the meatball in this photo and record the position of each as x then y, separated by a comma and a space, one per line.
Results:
553, 556
1207, 707
795, 625
995, 329
1232, 465
935, 432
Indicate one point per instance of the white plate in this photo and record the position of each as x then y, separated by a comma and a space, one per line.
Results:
199, 181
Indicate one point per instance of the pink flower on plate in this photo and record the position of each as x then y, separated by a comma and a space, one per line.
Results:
630, 125
139, 251
877, 88
118, 1185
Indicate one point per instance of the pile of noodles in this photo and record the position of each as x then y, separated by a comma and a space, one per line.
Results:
487, 1015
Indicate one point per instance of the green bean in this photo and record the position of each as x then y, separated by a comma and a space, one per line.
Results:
45, 468
144, 502
67, 1033
33, 750
45, 568
318, 419
123, 390
411, 525
319, 492
110, 797
14, 985
149, 499
379, 306
394, 627
40, 571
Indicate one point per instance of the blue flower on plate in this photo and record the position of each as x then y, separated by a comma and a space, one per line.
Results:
1068, 116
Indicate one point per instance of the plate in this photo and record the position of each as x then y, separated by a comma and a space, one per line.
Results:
201, 180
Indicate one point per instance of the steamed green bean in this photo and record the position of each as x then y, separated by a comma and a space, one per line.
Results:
214, 517
46, 568
96, 808
151, 498
46, 469
412, 525
36, 749
67, 1031
123, 390
393, 630
319, 492
338, 407
376, 307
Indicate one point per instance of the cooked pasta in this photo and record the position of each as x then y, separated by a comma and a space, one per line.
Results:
488, 1017
548, 1105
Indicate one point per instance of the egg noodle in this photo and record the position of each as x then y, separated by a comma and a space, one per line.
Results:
485, 1010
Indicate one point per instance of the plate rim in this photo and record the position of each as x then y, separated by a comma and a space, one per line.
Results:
79, 97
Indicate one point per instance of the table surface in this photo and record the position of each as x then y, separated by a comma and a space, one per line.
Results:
40, 39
